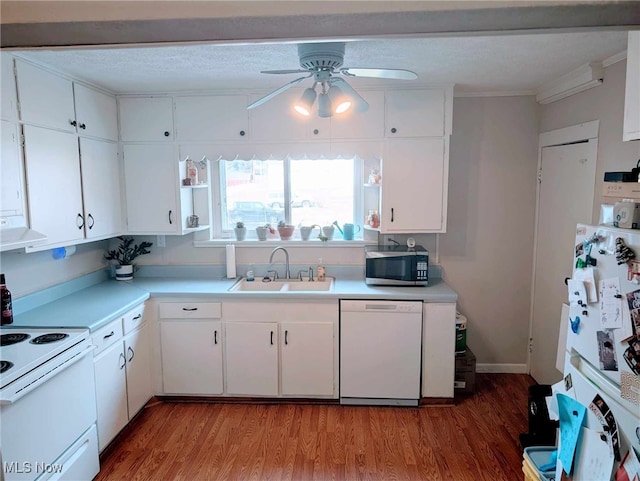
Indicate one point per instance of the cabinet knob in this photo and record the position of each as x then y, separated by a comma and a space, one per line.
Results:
316, 131
83, 126
242, 133
166, 133
394, 130
73, 122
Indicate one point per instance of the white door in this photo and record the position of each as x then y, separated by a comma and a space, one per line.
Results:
11, 180
565, 199
361, 125
111, 393
307, 358
212, 118
251, 355
96, 113
101, 188
53, 181
137, 349
146, 119
405, 113
151, 183
191, 357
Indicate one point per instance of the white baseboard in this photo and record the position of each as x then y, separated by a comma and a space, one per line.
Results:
502, 368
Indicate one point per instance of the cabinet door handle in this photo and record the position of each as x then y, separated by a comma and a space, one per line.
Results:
391, 214
132, 353
137, 317
109, 335
81, 221
83, 126
286, 337
394, 130
73, 123
92, 221
189, 308
242, 133
124, 361
170, 221
272, 338
215, 337
166, 133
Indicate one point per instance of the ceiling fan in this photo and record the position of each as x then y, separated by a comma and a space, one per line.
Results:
323, 62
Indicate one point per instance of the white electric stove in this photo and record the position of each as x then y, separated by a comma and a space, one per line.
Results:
47, 404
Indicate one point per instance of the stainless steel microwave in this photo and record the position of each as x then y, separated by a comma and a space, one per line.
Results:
396, 265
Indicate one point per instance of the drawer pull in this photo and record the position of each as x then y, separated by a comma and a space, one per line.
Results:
109, 335
286, 337
189, 308
215, 337
272, 338
132, 353
137, 317
124, 361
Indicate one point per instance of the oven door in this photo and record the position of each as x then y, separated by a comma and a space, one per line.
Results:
41, 426
391, 270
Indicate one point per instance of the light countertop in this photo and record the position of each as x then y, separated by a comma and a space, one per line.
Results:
95, 306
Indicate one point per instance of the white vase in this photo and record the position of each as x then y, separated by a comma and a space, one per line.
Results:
124, 273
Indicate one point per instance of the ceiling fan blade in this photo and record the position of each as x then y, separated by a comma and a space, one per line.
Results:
276, 92
283, 71
389, 73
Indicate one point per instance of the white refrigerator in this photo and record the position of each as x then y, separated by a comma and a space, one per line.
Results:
602, 361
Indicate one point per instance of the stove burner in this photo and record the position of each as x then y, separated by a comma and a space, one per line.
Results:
13, 338
47, 338
5, 366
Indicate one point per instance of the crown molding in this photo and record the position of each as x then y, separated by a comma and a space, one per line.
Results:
584, 77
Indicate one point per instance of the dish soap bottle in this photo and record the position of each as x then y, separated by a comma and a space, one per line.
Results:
321, 271
5, 295
250, 274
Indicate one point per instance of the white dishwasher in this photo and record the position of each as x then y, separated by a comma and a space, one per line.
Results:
380, 352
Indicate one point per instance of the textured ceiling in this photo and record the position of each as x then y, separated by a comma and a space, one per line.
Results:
479, 64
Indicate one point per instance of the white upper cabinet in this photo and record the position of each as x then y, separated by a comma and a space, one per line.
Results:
49, 100
96, 113
415, 113
11, 178
631, 130
9, 100
212, 118
53, 180
101, 188
414, 186
364, 125
277, 119
46, 99
146, 119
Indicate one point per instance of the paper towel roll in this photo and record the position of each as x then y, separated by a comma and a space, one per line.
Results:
231, 261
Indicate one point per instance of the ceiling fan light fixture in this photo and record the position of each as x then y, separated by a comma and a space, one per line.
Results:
339, 101
303, 106
359, 104
324, 105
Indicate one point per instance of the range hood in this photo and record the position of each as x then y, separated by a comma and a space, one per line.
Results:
19, 237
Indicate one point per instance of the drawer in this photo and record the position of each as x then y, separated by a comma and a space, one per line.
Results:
106, 336
133, 319
190, 310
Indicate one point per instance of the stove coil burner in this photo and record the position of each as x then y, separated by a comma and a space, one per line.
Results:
13, 338
5, 366
47, 338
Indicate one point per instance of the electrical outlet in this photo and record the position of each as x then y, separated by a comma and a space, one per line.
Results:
161, 241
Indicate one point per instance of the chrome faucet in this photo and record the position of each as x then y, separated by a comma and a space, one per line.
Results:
287, 273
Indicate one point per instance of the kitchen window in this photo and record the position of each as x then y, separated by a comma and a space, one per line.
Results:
297, 191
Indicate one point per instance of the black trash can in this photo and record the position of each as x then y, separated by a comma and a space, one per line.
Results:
542, 431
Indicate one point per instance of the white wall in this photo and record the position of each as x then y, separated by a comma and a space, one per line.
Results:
486, 254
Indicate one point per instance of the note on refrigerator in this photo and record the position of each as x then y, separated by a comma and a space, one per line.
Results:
577, 293
572, 415
594, 459
587, 276
610, 303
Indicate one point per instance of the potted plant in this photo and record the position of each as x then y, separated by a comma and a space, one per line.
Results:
124, 255
240, 230
263, 230
285, 230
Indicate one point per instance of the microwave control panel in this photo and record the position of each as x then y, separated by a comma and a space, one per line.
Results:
422, 271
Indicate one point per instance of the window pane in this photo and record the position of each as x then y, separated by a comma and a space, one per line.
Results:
249, 185
322, 191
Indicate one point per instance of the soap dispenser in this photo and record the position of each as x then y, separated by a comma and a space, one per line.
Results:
321, 271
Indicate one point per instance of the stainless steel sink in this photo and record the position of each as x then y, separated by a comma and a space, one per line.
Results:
282, 285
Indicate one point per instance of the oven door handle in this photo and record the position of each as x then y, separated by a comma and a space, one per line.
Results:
54, 372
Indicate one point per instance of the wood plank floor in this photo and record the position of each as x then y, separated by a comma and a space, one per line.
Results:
477, 439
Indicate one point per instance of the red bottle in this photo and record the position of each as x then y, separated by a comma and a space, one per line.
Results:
5, 295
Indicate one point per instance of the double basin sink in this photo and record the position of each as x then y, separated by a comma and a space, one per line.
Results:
282, 285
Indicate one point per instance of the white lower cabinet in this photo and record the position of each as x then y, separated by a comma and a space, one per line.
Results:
122, 370
307, 351
252, 358
191, 356
438, 349
191, 347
